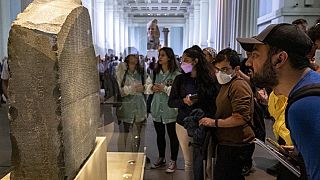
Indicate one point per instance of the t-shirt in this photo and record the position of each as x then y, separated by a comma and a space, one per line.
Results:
304, 123
235, 97
5, 71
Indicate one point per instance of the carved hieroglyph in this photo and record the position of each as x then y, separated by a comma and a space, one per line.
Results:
53, 90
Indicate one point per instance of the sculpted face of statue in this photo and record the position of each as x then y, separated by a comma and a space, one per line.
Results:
153, 35
152, 29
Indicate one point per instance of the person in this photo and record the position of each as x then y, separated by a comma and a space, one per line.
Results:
314, 34
258, 115
194, 82
279, 60
130, 79
233, 119
164, 116
301, 24
210, 54
5, 78
276, 105
153, 42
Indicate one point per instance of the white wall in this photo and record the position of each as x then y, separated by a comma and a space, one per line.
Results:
280, 11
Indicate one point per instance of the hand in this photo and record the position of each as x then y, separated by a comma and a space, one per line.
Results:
160, 87
187, 100
238, 71
207, 122
139, 88
155, 88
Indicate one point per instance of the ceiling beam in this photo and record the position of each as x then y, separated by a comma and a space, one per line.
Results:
184, 4
156, 12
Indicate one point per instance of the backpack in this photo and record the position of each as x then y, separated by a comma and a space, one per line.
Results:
309, 90
257, 124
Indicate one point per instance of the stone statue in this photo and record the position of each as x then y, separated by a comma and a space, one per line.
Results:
153, 35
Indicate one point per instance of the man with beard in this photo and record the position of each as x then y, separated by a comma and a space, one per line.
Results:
279, 60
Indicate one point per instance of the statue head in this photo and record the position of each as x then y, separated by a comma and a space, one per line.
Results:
153, 29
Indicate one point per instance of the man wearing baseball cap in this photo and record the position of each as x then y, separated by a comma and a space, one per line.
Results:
279, 60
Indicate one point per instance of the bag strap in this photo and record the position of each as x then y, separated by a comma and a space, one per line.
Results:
309, 90
154, 78
124, 79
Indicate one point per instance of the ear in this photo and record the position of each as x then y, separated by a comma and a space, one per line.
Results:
282, 58
195, 61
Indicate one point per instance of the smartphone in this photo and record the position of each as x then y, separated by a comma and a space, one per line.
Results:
193, 97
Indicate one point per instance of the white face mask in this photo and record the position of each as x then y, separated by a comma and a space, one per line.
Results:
223, 78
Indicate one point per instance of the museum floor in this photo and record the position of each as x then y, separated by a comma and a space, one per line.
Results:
108, 128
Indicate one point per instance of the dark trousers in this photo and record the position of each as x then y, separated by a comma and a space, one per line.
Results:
230, 161
248, 155
161, 139
198, 160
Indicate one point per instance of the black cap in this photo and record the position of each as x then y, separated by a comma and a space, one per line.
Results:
284, 36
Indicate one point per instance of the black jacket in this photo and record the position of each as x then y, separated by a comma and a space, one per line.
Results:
183, 85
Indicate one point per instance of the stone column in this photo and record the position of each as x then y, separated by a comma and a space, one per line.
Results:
126, 29
53, 91
109, 24
122, 35
191, 28
116, 29
204, 22
100, 31
196, 25
165, 36
186, 32
212, 25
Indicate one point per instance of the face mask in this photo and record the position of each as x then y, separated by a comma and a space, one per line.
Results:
223, 78
186, 67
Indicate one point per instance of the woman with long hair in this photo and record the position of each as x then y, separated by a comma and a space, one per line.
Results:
130, 77
196, 88
163, 116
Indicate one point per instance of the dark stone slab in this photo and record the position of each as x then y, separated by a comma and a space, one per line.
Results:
53, 91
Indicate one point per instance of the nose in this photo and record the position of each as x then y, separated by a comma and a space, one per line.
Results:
249, 62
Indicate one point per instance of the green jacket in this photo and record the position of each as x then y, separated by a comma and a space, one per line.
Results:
133, 103
160, 110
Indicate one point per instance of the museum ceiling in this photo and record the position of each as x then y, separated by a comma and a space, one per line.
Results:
156, 8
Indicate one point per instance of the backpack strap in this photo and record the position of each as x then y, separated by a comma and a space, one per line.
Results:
124, 79
309, 90
154, 78
142, 78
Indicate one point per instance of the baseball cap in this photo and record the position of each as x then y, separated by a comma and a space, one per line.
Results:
284, 36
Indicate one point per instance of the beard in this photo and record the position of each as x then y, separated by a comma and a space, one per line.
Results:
267, 78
